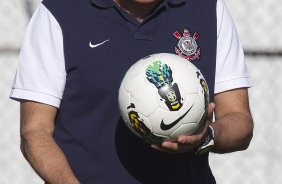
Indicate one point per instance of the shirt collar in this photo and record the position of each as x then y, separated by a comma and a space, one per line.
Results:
175, 2
111, 3
103, 3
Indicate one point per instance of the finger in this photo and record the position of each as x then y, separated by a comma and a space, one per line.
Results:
177, 147
156, 146
211, 108
197, 138
163, 149
170, 145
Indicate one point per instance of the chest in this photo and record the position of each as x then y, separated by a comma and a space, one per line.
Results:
100, 47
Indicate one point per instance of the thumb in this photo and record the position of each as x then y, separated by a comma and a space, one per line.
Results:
211, 108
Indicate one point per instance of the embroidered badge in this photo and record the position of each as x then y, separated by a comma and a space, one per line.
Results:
187, 46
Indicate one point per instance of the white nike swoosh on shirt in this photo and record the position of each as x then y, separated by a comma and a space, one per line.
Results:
98, 44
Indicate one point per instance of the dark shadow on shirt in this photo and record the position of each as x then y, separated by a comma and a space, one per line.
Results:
148, 165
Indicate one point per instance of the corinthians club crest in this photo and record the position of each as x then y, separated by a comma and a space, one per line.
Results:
187, 46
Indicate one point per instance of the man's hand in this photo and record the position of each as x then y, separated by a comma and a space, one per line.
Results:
186, 143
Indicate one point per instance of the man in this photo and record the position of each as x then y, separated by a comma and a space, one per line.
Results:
72, 61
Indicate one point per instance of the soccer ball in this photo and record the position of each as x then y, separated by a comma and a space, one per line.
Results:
163, 96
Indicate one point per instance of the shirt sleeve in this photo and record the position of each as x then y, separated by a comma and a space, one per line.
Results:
41, 71
231, 70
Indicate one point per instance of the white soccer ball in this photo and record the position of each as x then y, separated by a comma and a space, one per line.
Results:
163, 96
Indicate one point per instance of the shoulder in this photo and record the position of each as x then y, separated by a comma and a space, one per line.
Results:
65, 4
54, 3
64, 10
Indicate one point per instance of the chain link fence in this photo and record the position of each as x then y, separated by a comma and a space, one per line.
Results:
259, 25
261, 163
14, 16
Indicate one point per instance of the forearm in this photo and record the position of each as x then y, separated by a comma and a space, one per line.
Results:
46, 158
233, 126
233, 132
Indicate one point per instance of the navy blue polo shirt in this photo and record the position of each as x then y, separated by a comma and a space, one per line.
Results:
89, 130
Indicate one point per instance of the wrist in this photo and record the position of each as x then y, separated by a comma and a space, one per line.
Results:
207, 145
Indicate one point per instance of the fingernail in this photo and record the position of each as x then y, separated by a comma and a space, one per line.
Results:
181, 140
154, 146
165, 144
